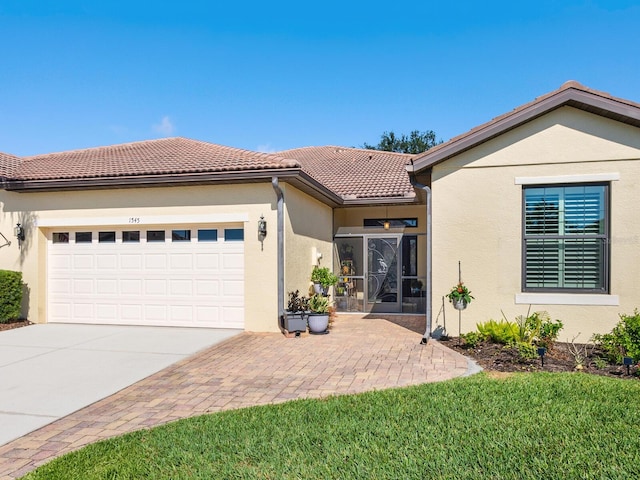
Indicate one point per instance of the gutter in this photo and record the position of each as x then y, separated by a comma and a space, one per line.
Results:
428, 293
280, 247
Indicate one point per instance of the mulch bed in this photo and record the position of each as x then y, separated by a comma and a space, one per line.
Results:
14, 324
499, 358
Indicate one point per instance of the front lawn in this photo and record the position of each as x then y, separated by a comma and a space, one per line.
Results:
516, 426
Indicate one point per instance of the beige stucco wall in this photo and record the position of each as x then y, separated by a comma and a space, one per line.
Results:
252, 200
477, 217
354, 216
308, 227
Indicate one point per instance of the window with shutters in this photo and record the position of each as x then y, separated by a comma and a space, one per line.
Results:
566, 238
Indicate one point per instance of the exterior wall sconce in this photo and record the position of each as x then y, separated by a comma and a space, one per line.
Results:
19, 233
386, 224
262, 231
262, 227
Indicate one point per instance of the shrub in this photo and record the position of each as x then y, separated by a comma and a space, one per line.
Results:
624, 339
538, 329
526, 351
503, 332
471, 339
10, 295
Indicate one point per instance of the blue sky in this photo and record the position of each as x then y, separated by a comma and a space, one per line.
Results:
276, 75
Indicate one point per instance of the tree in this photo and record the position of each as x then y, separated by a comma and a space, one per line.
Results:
415, 142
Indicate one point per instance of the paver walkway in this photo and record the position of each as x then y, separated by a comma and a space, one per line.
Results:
359, 354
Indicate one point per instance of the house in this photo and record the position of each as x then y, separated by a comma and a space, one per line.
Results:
539, 205
535, 206
166, 232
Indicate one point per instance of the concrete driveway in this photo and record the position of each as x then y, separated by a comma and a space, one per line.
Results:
49, 371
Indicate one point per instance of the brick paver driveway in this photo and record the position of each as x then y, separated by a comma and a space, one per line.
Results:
359, 354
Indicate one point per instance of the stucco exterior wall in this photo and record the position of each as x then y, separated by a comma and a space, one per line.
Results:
354, 216
477, 218
250, 200
308, 227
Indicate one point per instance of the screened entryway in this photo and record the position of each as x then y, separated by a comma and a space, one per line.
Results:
380, 272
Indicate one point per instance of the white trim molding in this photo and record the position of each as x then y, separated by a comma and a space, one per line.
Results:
588, 177
137, 219
567, 299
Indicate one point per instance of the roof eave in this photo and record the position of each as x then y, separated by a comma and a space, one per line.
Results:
144, 181
587, 101
295, 176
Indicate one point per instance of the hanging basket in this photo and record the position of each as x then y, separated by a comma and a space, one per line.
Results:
459, 303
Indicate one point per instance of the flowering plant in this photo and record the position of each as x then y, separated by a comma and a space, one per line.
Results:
460, 292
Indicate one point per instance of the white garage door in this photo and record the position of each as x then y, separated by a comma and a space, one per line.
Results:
165, 275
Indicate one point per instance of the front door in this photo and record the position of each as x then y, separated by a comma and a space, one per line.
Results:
382, 275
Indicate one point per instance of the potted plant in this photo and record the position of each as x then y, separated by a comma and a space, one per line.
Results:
295, 316
319, 314
460, 296
322, 279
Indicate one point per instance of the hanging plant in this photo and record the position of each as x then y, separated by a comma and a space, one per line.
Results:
460, 293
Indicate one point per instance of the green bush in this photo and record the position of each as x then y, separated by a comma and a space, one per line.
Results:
624, 339
502, 332
526, 351
471, 339
540, 330
10, 295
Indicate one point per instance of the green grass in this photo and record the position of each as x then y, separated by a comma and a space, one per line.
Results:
523, 426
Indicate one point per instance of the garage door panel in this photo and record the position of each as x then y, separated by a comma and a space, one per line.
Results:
181, 287
181, 313
233, 317
131, 313
107, 312
60, 286
107, 287
207, 315
208, 261
198, 284
83, 310
233, 288
83, 286
60, 262
131, 286
155, 261
131, 261
208, 287
107, 262
155, 313
155, 287
83, 262
233, 262
58, 311
181, 262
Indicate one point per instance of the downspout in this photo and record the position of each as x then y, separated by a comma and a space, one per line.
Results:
280, 247
416, 184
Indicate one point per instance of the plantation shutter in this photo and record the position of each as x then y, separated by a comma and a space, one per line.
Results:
565, 238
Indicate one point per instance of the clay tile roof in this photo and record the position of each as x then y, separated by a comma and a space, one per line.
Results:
152, 157
8, 163
570, 93
356, 173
